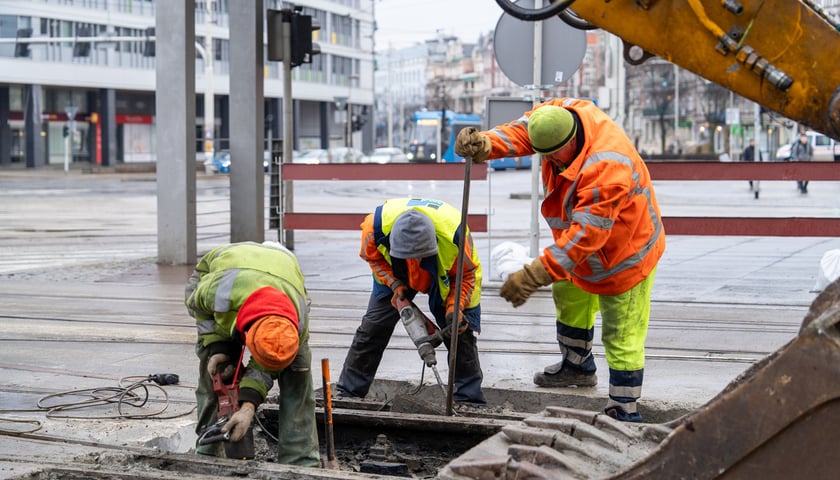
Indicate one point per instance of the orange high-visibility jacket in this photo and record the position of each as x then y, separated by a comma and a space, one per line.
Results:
602, 209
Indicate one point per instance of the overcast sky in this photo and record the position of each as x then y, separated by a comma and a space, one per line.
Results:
401, 23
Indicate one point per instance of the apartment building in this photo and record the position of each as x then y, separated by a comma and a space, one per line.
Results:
94, 101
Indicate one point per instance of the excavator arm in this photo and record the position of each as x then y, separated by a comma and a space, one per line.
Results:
780, 54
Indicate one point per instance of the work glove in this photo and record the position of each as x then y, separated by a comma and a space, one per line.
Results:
220, 363
462, 325
522, 283
239, 422
473, 144
400, 292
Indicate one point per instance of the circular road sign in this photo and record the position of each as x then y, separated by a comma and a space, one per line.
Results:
563, 48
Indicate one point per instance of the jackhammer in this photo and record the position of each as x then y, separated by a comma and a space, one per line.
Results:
423, 333
228, 399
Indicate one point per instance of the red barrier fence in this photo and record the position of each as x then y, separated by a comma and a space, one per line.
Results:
660, 171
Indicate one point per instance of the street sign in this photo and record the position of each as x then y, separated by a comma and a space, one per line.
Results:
563, 48
733, 116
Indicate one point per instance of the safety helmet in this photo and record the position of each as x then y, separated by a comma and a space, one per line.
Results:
550, 128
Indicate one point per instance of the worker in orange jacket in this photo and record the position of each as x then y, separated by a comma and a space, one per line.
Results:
608, 239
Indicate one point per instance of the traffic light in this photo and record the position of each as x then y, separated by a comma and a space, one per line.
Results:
22, 47
82, 49
274, 24
303, 47
149, 44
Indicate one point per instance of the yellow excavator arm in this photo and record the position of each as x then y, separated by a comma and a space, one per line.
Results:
781, 54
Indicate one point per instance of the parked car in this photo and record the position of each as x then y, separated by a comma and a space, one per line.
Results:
388, 155
825, 148
221, 162
333, 155
517, 163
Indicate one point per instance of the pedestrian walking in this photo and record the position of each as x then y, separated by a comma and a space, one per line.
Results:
752, 155
608, 239
802, 151
251, 296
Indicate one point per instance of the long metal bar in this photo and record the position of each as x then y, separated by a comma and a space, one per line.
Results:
693, 170
459, 280
330, 461
351, 220
375, 171
75, 39
287, 236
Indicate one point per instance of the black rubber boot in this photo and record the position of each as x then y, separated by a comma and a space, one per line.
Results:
565, 375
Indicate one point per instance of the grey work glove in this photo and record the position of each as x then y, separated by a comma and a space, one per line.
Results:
220, 360
240, 422
473, 144
522, 283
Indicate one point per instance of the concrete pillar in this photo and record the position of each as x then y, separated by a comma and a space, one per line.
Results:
175, 117
93, 106
5, 128
247, 187
33, 141
108, 117
326, 120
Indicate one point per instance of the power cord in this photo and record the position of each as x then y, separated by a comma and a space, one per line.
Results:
135, 394
132, 393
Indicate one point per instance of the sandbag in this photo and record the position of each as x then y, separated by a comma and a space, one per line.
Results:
829, 270
508, 257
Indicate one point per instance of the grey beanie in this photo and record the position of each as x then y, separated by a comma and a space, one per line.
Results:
413, 236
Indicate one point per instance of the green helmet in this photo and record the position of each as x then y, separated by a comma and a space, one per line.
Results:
550, 128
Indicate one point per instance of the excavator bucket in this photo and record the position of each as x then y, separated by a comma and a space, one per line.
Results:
779, 419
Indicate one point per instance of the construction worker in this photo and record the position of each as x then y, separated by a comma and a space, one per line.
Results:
412, 246
608, 238
251, 296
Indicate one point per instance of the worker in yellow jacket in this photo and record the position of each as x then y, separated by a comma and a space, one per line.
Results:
411, 246
608, 239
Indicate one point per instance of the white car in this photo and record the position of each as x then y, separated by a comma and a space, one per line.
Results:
825, 148
388, 155
333, 155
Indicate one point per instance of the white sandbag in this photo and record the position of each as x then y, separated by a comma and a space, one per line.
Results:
829, 270
508, 257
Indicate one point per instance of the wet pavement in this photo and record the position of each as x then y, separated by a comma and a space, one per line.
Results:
85, 304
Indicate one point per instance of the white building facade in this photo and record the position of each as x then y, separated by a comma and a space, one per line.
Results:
103, 100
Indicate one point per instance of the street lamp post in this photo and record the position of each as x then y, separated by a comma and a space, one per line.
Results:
341, 116
68, 139
209, 105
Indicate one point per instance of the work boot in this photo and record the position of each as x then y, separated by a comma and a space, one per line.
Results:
619, 414
564, 375
343, 395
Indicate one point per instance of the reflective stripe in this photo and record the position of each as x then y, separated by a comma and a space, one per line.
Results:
206, 326
596, 221
557, 223
222, 301
629, 407
560, 253
625, 392
571, 356
574, 342
521, 121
